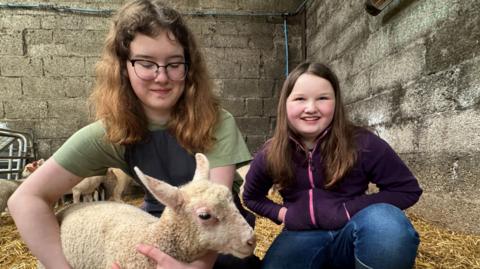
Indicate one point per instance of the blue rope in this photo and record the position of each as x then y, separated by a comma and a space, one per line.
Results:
285, 31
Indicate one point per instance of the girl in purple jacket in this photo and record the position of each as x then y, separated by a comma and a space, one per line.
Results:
323, 165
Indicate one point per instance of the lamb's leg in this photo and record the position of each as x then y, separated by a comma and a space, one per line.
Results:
87, 198
76, 196
118, 190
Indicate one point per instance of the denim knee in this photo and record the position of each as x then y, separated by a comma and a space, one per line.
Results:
298, 249
386, 220
385, 237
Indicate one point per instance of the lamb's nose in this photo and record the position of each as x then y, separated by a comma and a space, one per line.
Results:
251, 242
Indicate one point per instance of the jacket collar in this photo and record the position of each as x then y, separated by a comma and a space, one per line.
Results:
302, 147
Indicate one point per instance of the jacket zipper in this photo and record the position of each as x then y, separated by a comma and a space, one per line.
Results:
310, 192
310, 176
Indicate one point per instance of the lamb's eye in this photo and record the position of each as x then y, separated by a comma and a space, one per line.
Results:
204, 215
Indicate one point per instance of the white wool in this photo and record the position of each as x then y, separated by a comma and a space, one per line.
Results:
198, 217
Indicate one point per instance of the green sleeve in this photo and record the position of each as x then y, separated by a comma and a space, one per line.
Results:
230, 148
87, 152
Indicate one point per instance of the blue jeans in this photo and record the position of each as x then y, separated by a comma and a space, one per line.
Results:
379, 236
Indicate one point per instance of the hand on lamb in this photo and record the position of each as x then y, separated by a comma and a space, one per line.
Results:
163, 260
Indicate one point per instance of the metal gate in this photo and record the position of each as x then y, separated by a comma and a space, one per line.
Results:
16, 148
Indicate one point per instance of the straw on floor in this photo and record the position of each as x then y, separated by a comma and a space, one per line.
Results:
439, 248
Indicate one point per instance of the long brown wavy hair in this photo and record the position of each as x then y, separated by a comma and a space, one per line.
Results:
195, 114
337, 148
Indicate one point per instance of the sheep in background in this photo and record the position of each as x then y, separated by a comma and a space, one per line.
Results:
86, 188
115, 179
199, 216
31, 167
116, 183
7, 187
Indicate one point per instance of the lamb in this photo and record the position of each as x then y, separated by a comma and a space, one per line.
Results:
86, 188
115, 182
7, 187
119, 180
31, 167
199, 216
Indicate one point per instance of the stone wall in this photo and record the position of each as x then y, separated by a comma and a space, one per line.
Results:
48, 50
413, 74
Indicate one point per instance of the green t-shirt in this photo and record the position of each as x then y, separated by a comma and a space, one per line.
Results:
88, 153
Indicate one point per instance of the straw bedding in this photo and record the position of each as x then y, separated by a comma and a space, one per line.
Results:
439, 248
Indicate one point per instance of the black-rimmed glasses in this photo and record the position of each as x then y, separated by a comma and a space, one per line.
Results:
148, 70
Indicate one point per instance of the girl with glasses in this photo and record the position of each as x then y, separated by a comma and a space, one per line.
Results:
155, 109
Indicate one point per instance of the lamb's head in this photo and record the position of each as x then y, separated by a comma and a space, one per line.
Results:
209, 210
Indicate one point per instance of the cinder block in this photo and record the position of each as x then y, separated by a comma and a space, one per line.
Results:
427, 16
41, 50
254, 107
11, 43
14, 66
456, 39
25, 109
58, 128
270, 107
354, 34
80, 42
429, 95
253, 125
356, 87
64, 66
376, 48
246, 88
10, 88
19, 22
401, 67
372, 111
403, 137
451, 132
63, 22
38, 36
236, 106
468, 93
255, 142
67, 109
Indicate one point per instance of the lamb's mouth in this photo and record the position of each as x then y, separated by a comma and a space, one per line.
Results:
242, 253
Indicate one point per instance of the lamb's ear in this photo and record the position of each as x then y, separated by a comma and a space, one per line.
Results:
203, 167
165, 193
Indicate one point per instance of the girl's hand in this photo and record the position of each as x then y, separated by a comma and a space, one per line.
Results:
281, 214
163, 260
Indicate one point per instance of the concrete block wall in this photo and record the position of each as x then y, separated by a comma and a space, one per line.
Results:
413, 74
48, 59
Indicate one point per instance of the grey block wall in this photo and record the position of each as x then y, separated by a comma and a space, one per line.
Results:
413, 74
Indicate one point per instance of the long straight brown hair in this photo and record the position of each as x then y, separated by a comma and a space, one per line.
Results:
195, 114
337, 148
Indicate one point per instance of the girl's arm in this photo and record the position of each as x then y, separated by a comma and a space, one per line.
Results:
31, 207
255, 191
165, 261
223, 175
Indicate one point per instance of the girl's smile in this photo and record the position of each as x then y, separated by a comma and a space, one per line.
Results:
160, 94
310, 107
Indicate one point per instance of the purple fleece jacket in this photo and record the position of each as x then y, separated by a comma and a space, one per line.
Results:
311, 206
